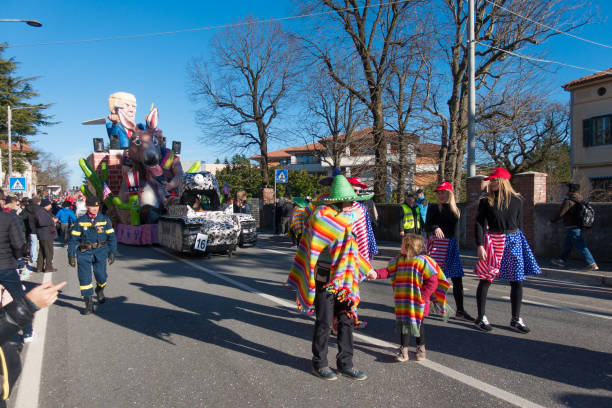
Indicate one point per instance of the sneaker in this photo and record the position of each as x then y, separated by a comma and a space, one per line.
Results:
51, 270
558, 262
353, 373
591, 267
464, 316
421, 353
402, 354
483, 324
28, 338
518, 325
325, 373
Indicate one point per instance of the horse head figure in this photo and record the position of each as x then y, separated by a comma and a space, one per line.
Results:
145, 153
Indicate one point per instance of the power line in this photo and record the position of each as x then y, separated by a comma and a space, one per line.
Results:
535, 59
208, 28
547, 26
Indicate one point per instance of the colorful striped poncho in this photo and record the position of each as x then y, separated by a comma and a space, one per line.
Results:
298, 221
329, 227
407, 276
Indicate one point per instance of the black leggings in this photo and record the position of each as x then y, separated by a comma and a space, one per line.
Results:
458, 292
405, 337
516, 297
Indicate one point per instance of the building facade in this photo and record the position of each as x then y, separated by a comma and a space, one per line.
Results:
591, 132
356, 158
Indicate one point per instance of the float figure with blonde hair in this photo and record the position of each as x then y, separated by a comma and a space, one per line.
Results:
442, 225
122, 118
503, 250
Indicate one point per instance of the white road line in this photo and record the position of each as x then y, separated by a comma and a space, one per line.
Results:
277, 252
567, 309
29, 383
449, 372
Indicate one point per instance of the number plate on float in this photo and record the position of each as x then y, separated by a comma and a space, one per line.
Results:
200, 243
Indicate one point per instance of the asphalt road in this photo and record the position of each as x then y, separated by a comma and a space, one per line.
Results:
224, 332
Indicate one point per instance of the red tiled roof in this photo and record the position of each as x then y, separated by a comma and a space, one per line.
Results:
425, 149
586, 79
17, 147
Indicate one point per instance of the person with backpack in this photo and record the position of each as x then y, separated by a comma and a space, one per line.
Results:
577, 214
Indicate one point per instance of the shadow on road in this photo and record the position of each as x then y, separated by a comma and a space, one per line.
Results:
200, 319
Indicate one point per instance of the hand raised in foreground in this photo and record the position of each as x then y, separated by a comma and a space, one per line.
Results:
44, 295
372, 275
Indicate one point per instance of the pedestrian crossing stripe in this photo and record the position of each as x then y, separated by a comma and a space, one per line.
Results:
16, 184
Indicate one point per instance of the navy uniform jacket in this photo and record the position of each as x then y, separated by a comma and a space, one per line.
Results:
86, 231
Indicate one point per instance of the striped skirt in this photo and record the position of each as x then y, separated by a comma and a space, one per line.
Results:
508, 257
445, 251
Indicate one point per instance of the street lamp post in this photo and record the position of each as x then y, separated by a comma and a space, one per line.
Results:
33, 23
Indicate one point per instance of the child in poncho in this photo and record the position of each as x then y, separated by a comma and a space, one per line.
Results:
418, 282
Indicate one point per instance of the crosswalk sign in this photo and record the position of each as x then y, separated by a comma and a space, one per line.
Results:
17, 183
281, 175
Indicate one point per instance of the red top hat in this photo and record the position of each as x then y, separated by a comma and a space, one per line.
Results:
499, 172
445, 185
356, 182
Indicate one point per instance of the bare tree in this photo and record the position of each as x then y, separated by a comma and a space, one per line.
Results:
372, 29
524, 133
51, 171
406, 94
243, 85
333, 114
500, 26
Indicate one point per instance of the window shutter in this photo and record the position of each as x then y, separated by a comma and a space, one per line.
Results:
587, 132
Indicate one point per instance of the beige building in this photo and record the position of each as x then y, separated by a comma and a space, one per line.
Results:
591, 130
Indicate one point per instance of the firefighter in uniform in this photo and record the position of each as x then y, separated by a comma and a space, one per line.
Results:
92, 243
412, 222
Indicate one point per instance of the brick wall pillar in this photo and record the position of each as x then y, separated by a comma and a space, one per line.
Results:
532, 186
113, 160
474, 188
267, 208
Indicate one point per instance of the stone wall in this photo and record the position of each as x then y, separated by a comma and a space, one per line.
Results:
549, 240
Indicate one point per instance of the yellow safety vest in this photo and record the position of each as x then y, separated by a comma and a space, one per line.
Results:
409, 221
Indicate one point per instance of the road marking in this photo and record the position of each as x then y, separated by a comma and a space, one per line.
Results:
29, 383
449, 372
567, 309
277, 252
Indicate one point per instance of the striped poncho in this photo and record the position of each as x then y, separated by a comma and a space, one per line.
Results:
407, 277
298, 221
329, 227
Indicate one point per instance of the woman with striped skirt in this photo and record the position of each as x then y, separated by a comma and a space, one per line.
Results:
503, 250
442, 225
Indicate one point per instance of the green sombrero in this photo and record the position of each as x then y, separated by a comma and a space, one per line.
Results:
300, 201
341, 190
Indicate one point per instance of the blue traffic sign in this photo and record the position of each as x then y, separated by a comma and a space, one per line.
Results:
281, 175
17, 183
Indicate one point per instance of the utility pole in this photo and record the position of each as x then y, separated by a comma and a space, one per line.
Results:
471, 148
9, 119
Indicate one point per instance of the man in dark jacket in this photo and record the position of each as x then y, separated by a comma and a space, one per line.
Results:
286, 212
570, 213
45, 231
29, 219
12, 247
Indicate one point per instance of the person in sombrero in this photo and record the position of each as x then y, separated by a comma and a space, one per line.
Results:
298, 219
326, 273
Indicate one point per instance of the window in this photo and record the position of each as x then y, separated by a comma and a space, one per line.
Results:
596, 131
601, 189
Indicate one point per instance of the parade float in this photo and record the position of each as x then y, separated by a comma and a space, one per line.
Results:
145, 191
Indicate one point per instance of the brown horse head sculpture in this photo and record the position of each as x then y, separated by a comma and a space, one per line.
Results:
145, 152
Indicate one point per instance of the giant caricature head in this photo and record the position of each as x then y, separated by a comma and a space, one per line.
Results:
126, 102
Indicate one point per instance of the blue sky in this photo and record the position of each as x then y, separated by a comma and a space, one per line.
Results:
77, 78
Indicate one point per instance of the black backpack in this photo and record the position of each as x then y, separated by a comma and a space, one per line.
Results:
587, 214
